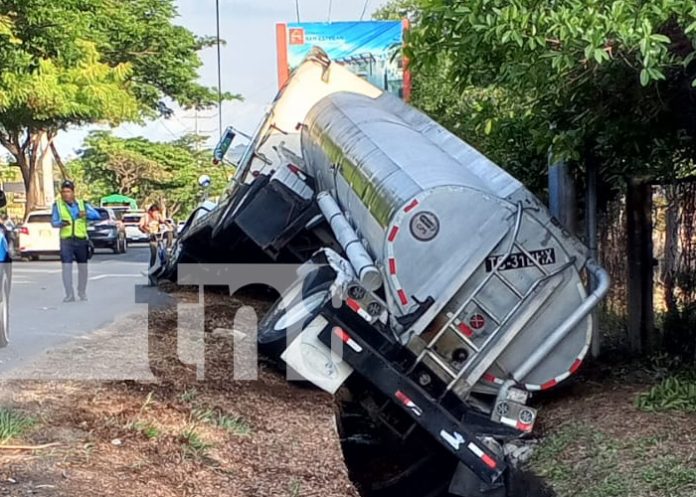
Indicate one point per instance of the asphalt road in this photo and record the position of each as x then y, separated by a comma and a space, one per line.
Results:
40, 321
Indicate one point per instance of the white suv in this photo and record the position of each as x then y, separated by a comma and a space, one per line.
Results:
38, 237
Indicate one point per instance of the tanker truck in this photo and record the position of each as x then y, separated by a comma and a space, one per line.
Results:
436, 294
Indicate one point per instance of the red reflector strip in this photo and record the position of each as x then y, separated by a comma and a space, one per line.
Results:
576, 365
411, 206
355, 307
340, 333
403, 297
466, 331
345, 338
549, 384
489, 461
392, 266
489, 378
524, 427
393, 233
403, 398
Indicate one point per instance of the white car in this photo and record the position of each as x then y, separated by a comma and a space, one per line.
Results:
38, 237
131, 222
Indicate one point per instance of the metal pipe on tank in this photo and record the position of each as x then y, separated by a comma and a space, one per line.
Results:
368, 274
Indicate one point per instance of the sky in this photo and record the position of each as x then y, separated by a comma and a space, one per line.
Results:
248, 62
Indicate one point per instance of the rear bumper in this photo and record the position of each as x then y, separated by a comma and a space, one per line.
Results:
461, 439
103, 240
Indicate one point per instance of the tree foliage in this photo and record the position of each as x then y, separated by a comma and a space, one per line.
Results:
76, 62
609, 80
166, 173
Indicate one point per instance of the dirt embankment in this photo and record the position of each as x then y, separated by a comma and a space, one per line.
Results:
174, 437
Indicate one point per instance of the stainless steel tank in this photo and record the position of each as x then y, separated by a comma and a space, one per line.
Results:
443, 221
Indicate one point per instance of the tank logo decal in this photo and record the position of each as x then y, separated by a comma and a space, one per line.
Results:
425, 226
519, 260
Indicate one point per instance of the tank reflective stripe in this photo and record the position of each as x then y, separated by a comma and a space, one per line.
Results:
411, 206
355, 307
549, 384
492, 379
345, 338
393, 233
560, 378
392, 266
403, 297
487, 460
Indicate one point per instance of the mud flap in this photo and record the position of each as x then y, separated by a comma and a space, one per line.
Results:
315, 362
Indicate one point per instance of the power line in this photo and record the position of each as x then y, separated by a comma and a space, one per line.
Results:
219, 67
362, 16
297, 9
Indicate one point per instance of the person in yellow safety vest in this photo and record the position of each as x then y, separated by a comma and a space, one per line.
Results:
71, 216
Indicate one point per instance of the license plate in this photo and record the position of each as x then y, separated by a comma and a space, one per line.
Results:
45, 233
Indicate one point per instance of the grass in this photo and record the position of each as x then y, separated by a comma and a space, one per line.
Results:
148, 429
580, 461
194, 445
676, 393
294, 488
13, 424
235, 425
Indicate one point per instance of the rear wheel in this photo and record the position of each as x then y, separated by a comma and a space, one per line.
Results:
293, 311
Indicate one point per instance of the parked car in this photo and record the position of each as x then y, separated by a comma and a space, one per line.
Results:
131, 222
37, 237
108, 232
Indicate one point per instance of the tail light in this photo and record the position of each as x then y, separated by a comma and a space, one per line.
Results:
23, 230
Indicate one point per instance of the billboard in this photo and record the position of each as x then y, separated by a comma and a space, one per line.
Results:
371, 49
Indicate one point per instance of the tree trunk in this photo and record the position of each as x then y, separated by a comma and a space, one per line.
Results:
59, 160
641, 320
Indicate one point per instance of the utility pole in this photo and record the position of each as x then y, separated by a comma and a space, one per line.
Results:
219, 68
196, 126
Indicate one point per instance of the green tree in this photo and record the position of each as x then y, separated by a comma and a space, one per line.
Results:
166, 173
78, 62
607, 80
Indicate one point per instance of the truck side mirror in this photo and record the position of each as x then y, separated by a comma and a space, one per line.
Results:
3, 199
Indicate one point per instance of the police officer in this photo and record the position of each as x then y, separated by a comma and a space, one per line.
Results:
71, 216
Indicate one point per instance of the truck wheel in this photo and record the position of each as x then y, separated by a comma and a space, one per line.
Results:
5, 307
293, 311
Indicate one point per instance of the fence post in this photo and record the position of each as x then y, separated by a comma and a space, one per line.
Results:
641, 319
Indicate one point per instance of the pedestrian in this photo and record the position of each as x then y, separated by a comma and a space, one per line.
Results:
71, 216
151, 224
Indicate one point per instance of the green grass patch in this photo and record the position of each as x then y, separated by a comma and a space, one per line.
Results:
580, 461
149, 430
13, 424
235, 425
194, 445
676, 393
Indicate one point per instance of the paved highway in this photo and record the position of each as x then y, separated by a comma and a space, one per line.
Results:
40, 321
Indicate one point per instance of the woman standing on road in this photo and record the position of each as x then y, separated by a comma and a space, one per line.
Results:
151, 224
